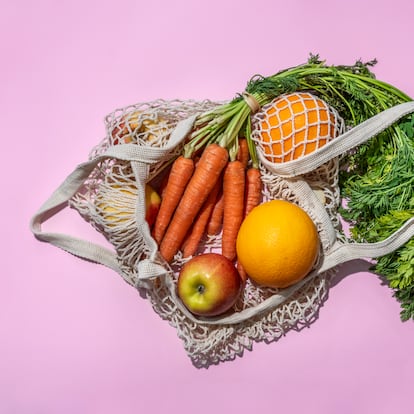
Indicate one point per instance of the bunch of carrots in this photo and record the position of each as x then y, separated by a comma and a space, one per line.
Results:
207, 195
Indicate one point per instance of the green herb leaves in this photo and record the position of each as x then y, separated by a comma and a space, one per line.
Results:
379, 188
377, 178
397, 267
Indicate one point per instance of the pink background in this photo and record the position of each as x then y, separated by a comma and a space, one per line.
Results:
74, 337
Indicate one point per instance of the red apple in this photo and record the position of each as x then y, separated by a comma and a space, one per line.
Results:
126, 194
209, 284
134, 123
152, 204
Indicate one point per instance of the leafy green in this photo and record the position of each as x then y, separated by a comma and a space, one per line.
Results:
397, 267
377, 178
380, 194
381, 180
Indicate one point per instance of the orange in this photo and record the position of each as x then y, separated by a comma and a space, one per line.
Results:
295, 125
277, 244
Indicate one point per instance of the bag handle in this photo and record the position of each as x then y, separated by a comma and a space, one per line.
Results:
141, 157
340, 145
345, 252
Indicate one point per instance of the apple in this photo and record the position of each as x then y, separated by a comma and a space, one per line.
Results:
127, 125
152, 204
122, 210
134, 123
209, 284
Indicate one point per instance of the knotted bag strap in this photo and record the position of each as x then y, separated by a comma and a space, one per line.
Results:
141, 158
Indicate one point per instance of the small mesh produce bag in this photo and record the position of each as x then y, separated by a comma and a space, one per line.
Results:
108, 191
294, 125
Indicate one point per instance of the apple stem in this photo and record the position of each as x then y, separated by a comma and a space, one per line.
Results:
201, 289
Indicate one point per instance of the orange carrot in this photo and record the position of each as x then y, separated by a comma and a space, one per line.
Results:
243, 152
216, 219
163, 184
181, 172
212, 161
242, 272
193, 240
233, 189
253, 189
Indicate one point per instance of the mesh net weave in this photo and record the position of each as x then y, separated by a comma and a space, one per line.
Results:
108, 200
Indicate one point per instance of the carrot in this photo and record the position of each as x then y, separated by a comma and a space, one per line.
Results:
212, 161
181, 172
253, 189
243, 152
216, 218
242, 272
233, 190
163, 184
193, 240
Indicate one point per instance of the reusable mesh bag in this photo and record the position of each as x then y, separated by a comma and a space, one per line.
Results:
108, 191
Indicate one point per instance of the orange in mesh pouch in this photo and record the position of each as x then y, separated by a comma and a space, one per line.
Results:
152, 135
294, 125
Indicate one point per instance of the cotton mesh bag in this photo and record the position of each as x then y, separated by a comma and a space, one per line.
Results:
109, 192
